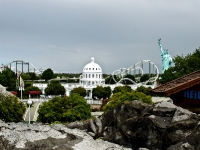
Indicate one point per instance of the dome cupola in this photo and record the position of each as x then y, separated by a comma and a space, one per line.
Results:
92, 67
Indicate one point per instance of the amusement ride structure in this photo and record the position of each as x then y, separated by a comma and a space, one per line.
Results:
137, 70
17, 65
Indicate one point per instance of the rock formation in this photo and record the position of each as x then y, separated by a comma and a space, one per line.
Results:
19, 136
159, 126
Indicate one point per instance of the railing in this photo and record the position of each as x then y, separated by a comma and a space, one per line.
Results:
35, 100
94, 101
89, 101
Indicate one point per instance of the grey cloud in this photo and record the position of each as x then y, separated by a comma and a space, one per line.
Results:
65, 34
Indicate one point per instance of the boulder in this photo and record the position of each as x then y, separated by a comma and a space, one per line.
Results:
82, 125
137, 125
19, 136
175, 132
181, 146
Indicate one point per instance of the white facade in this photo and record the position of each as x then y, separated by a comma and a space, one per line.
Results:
92, 75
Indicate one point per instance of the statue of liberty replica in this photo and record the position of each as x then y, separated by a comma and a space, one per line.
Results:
166, 58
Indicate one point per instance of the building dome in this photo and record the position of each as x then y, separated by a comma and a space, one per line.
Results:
92, 75
92, 67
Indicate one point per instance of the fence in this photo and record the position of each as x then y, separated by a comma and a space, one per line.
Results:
91, 101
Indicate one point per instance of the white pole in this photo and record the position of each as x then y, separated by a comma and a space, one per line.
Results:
29, 115
29, 102
21, 92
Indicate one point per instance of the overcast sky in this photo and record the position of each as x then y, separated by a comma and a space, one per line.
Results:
64, 34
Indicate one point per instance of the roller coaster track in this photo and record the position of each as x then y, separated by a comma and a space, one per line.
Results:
138, 67
31, 67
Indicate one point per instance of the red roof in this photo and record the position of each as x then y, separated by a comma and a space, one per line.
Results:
179, 84
13, 92
34, 92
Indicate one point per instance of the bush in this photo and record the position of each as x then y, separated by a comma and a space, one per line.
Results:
144, 90
144, 78
123, 96
66, 109
122, 88
54, 87
79, 90
101, 92
11, 108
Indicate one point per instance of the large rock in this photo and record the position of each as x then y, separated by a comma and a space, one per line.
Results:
19, 136
158, 126
180, 113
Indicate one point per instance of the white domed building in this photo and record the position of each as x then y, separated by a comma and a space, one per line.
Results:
91, 77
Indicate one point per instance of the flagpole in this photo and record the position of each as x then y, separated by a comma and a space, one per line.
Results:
21, 86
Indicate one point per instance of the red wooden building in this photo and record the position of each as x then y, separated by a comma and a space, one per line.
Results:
184, 91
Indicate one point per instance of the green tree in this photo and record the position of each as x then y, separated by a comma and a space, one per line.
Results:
98, 92
79, 90
66, 109
54, 87
31, 88
182, 66
124, 96
27, 84
48, 74
125, 88
33, 76
145, 90
144, 78
30, 76
11, 109
101, 92
107, 92
8, 79
129, 76
25, 76
109, 79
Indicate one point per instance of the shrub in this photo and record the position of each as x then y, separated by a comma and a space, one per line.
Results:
11, 108
54, 87
144, 90
123, 96
101, 92
79, 90
144, 78
125, 88
66, 109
